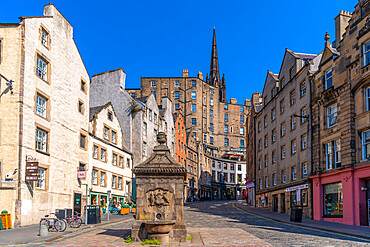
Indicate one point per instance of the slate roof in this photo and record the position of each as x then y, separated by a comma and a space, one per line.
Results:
94, 110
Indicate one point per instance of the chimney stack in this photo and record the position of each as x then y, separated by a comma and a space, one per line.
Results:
185, 73
200, 75
341, 22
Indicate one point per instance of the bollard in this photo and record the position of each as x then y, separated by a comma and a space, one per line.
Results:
44, 230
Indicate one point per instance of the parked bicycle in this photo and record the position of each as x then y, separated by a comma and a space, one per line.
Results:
74, 221
54, 222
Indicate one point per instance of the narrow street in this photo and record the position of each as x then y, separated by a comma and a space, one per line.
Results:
219, 223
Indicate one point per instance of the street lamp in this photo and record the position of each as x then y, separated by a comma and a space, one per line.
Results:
9, 84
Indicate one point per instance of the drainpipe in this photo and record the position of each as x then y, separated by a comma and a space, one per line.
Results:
254, 158
311, 142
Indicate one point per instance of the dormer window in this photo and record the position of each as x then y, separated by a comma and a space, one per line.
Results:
328, 79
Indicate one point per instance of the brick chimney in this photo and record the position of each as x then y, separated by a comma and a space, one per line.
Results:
185, 73
200, 75
341, 22
233, 101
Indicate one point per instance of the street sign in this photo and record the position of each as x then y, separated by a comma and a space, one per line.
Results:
32, 168
30, 178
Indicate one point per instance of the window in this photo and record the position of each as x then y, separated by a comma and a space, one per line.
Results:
177, 106
155, 118
232, 167
226, 142
210, 113
303, 88
274, 179
266, 182
242, 130
103, 154
153, 83
80, 106
110, 115
177, 83
194, 95
193, 83
226, 117
144, 148
42, 68
41, 106
259, 126
240, 178
273, 114
211, 101
241, 143
226, 107
259, 145
273, 156
114, 181
292, 72
241, 118
44, 37
293, 146
333, 200
292, 97
332, 154
150, 115
128, 163
260, 164
304, 170
211, 127
226, 177
155, 94
114, 136
83, 86
193, 122
120, 161
106, 133
119, 183
193, 107
195, 135
205, 138
283, 176
225, 166
95, 177
41, 140
83, 140
95, 152
114, 159
282, 106
273, 135
41, 180
328, 79
265, 100
294, 173
211, 90
144, 129
273, 93
102, 178
282, 152
239, 167
332, 115
226, 128
211, 139
265, 121
304, 115
282, 83
304, 141
367, 91
260, 183
177, 94
282, 129
133, 95
266, 143
365, 141
266, 160
292, 122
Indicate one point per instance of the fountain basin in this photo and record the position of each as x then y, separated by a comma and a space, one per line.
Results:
159, 229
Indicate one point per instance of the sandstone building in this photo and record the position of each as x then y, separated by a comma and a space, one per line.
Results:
45, 116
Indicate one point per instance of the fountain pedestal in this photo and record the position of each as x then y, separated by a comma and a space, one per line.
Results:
159, 197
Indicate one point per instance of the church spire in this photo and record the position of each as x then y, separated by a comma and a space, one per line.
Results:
214, 75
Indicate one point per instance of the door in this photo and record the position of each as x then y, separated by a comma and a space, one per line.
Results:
77, 203
275, 203
368, 201
282, 199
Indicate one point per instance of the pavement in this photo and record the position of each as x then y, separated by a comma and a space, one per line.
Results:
357, 231
211, 223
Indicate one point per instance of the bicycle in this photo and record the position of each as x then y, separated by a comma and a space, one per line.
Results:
74, 221
54, 222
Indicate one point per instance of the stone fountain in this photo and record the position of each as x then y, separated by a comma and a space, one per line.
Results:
159, 197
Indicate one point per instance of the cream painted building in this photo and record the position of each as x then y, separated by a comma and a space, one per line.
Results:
110, 163
44, 118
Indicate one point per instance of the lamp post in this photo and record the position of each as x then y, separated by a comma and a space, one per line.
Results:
9, 84
87, 187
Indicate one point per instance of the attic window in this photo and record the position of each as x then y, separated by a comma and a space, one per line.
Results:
292, 72
110, 116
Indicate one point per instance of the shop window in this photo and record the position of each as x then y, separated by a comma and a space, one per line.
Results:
304, 198
333, 200
293, 198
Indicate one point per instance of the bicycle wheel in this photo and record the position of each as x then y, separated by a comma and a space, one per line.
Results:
60, 225
77, 222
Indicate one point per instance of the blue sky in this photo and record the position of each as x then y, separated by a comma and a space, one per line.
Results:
161, 38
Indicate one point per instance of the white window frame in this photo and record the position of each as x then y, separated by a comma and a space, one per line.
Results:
42, 68
241, 130
332, 115
293, 144
41, 180
193, 95
328, 78
41, 105
332, 154
304, 141
282, 152
44, 37
193, 107
153, 84
304, 170
119, 183
177, 83
41, 140
177, 94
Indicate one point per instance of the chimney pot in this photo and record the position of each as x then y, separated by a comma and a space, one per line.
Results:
185, 73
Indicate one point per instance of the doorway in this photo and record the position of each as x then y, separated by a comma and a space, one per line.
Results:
77, 203
282, 199
275, 203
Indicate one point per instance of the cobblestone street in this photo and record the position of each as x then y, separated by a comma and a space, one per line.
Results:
219, 223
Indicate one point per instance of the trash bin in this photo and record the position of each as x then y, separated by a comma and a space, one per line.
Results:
296, 214
93, 214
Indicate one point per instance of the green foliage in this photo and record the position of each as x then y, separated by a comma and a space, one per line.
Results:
188, 238
152, 241
125, 206
4, 212
129, 240
134, 107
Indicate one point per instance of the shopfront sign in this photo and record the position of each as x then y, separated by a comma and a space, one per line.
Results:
32, 168
30, 178
81, 174
299, 187
211, 147
262, 196
249, 185
238, 149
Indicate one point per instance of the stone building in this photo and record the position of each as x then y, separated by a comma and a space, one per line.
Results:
250, 157
283, 153
340, 111
180, 137
217, 124
44, 118
110, 163
192, 167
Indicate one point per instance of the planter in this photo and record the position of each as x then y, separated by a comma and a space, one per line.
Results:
125, 210
6, 221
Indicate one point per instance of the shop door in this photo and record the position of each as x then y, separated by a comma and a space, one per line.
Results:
282, 199
77, 203
368, 201
275, 203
